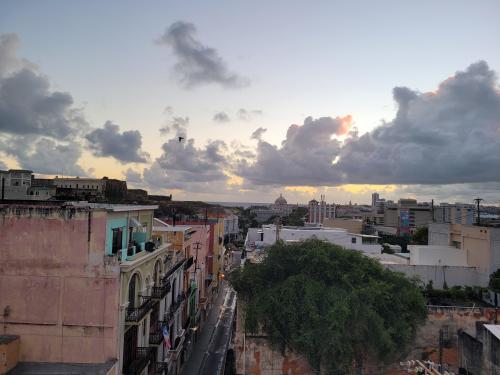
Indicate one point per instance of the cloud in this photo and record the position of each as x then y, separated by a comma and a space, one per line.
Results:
448, 136
182, 165
3, 166
178, 125
464, 193
27, 104
44, 155
197, 64
248, 115
133, 176
257, 134
9, 62
124, 147
304, 158
221, 117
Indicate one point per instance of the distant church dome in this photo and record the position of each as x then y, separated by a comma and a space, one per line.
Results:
280, 200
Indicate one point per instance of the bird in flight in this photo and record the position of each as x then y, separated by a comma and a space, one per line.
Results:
180, 139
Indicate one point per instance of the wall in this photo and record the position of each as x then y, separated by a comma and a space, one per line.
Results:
52, 268
476, 241
352, 226
439, 234
455, 276
437, 255
253, 355
116, 220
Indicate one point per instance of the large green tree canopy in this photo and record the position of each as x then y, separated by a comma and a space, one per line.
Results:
333, 306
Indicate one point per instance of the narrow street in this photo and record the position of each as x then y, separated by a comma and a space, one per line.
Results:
208, 355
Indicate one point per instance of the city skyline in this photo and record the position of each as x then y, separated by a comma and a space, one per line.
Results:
400, 99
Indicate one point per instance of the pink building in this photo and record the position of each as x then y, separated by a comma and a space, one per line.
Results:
83, 284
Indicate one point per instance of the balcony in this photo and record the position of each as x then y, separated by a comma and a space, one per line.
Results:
159, 292
135, 314
174, 307
188, 263
161, 368
142, 357
156, 336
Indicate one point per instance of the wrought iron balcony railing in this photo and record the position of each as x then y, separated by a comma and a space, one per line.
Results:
160, 291
135, 314
156, 335
161, 368
142, 357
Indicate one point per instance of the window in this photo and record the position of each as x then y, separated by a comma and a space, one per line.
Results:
353, 240
117, 240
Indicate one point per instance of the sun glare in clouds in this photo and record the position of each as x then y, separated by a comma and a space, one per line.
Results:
234, 180
366, 188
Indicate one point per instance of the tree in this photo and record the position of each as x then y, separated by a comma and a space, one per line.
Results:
420, 236
296, 217
335, 307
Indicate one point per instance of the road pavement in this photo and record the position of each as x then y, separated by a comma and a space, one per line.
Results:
209, 351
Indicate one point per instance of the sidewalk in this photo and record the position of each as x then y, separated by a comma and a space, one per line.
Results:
195, 360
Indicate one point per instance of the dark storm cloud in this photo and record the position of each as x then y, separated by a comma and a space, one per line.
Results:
448, 136
221, 117
27, 103
197, 64
305, 156
38, 126
124, 147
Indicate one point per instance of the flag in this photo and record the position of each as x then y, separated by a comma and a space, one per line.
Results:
166, 337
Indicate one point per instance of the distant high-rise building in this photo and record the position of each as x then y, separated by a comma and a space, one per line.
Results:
375, 198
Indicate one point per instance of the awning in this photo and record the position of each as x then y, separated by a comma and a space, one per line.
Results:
134, 223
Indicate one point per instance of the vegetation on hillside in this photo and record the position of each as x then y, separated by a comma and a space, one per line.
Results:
335, 307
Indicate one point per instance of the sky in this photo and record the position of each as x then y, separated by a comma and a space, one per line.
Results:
341, 98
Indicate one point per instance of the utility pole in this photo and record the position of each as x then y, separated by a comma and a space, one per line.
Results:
432, 208
278, 225
197, 245
478, 220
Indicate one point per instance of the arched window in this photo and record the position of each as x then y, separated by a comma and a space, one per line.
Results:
133, 286
157, 272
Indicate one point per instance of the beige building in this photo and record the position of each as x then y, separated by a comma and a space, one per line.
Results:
351, 225
481, 244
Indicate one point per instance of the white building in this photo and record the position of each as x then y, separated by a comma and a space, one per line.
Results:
231, 226
266, 236
457, 213
14, 183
